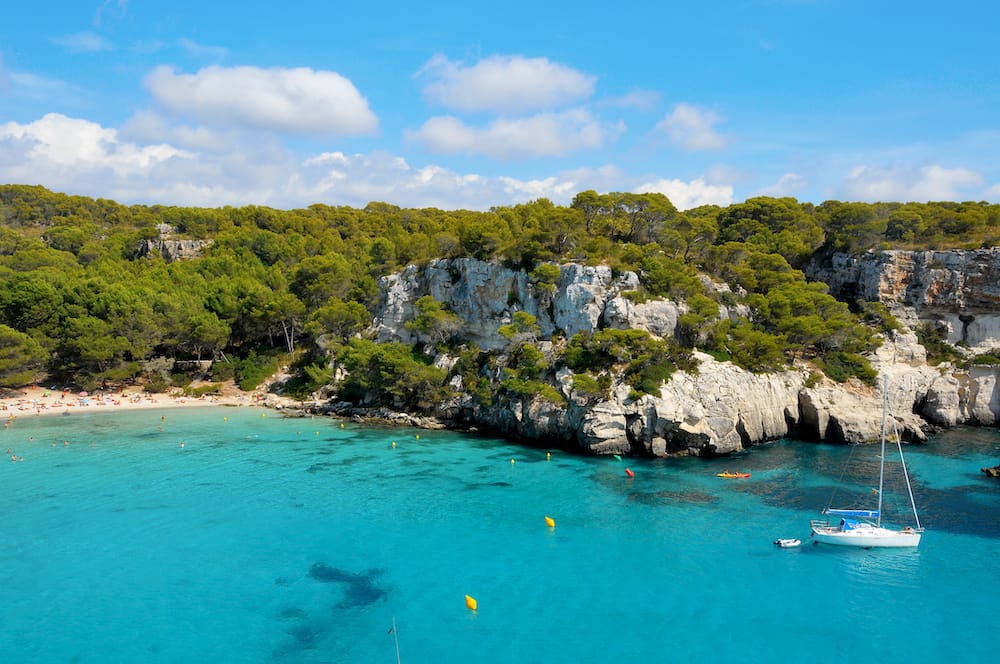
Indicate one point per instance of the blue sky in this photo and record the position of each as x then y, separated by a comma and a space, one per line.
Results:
468, 105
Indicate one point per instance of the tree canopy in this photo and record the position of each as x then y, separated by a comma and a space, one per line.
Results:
79, 300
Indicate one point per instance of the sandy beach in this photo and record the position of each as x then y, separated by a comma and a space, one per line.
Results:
39, 401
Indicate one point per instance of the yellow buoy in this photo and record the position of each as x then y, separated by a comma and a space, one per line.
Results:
417, 436
225, 419
548, 455
471, 603
341, 425
512, 461
550, 522
393, 443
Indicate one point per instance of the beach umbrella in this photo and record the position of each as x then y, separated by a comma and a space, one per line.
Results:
84, 393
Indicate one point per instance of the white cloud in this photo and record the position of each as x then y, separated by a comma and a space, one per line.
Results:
992, 194
357, 179
299, 100
692, 128
554, 188
66, 153
789, 184
149, 160
149, 127
906, 183
197, 50
687, 195
542, 135
134, 165
83, 42
504, 83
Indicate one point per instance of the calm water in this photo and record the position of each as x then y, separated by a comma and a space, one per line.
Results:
277, 540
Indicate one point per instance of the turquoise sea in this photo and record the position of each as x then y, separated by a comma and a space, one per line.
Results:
265, 539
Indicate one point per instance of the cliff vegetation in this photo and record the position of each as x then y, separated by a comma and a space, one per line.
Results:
93, 292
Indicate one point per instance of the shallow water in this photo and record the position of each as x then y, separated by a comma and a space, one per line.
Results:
295, 540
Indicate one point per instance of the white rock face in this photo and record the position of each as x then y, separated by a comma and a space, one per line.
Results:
722, 408
486, 295
958, 290
979, 396
657, 317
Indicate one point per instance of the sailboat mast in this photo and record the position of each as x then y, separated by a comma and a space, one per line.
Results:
881, 465
906, 474
395, 637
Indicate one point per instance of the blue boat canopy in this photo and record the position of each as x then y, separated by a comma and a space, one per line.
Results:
861, 514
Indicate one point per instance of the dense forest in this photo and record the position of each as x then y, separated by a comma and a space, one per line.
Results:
82, 303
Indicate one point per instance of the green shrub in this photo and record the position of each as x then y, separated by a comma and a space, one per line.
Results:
841, 366
635, 296
309, 379
533, 389
590, 388
156, 385
222, 371
755, 350
545, 274
650, 376
648, 361
932, 338
253, 370
878, 315
209, 388
391, 374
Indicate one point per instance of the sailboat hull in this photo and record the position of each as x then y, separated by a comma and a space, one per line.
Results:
869, 533
866, 536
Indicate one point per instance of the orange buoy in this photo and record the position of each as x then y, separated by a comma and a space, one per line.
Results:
471, 603
550, 522
628, 471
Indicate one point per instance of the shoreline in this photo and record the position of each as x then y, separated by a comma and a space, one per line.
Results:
44, 402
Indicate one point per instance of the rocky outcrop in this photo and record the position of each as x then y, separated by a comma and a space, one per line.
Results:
172, 250
169, 249
721, 408
958, 291
486, 295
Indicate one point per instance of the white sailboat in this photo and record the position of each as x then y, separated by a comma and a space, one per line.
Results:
863, 527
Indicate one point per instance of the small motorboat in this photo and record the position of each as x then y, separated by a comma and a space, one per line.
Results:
731, 476
787, 543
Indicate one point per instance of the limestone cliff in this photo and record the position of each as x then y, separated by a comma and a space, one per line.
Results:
959, 291
486, 295
170, 249
722, 408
